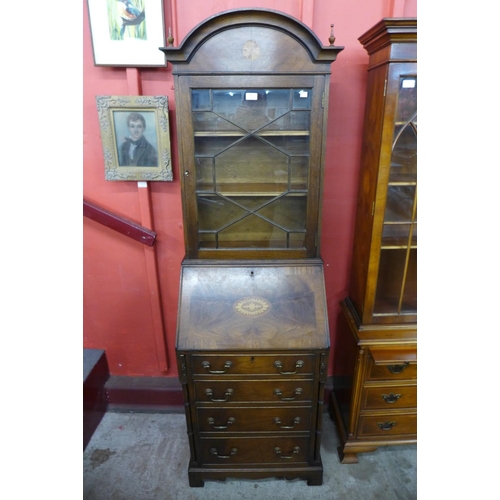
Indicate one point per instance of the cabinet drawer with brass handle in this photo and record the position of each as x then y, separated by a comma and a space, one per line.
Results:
254, 451
254, 419
392, 364
387, 424
276, 364
232, 391
388, 397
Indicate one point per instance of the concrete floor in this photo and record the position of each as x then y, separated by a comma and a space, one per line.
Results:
144, 456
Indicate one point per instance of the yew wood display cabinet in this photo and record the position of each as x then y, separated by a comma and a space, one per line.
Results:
251, 93
380, 406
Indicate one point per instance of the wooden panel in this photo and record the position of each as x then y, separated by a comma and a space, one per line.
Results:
254, 450
250, 49
389, 397
395, 364
233, 391
274, 364
254, 419
387, 425
252, 306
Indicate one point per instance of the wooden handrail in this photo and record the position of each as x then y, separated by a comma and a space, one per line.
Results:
117, 223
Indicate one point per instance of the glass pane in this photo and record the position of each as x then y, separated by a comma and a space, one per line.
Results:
399, 205
226, 102
252, 232
210, 122
404, 148
290, 144
409, 303
200, 99
292, 121
215, 213
297, 240
278, 102
302, 99
404, 156
207, 240
397, 283
288, 212
407, 99
299, 172
204, 174
396, 235
251, 112
251, 166
212, 145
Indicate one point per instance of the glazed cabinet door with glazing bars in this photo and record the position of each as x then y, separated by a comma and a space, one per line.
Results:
252, 184
396, 286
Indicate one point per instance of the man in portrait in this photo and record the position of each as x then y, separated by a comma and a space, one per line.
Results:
136, 150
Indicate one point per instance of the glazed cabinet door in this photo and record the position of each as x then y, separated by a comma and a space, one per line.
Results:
395, 293
251, 177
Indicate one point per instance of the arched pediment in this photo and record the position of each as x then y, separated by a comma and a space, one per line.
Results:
252, 40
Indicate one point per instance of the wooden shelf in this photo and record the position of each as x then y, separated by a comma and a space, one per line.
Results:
248, 245
233, 133
245, 189
397, 247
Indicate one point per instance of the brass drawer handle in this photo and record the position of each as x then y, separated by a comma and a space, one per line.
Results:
386, 426
296, 421
230, 421
279, 366
390, 398
398, 368
297, 392
213, 451
295, 451
210, 393
227, 365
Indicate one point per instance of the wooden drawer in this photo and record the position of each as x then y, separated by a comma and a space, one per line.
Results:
389, 397
275, 364
387, 425
232, 391
392, 364
254, 450
252, 419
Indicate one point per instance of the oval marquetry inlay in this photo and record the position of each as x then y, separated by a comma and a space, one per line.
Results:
252, 306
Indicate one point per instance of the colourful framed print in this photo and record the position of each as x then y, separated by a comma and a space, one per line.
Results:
127, 32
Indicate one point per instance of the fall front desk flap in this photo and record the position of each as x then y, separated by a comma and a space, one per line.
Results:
252, 306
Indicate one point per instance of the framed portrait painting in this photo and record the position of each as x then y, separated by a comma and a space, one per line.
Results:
135, 137
127, 32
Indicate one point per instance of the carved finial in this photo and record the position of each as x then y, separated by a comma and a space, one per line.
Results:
332, 38
170, 39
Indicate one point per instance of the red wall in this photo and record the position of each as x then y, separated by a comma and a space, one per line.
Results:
130, 290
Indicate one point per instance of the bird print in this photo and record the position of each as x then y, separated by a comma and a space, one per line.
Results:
129, 14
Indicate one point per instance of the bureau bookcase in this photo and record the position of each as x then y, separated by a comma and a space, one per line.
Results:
251, 94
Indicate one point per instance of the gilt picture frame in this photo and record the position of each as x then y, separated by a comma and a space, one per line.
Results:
135, 135
127, 32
